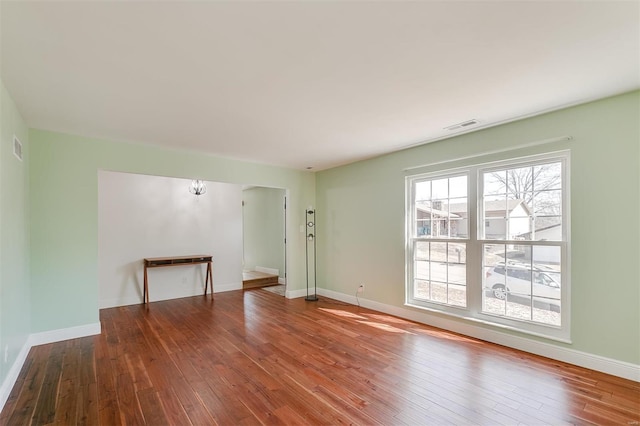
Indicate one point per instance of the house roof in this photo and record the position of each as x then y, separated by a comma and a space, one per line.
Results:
458, 210
441, 213
491, 206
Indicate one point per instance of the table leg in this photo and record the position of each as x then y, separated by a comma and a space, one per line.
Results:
211, 277
207, 279
145, 296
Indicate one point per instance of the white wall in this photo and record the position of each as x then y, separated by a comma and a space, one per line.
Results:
149, 216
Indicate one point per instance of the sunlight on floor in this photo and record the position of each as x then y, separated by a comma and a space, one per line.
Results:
384, 327
361, 320
388, 318
341, 313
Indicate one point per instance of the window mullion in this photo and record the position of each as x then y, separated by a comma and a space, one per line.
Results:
474, 250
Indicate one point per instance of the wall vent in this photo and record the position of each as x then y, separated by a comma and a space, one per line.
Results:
17, 148
462, 125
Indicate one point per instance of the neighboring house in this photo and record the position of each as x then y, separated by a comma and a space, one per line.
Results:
437, 221
510, 219
549, 255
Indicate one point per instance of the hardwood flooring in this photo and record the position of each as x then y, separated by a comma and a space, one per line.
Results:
254, 357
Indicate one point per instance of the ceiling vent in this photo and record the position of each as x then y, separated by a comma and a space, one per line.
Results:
17, 147
462, 125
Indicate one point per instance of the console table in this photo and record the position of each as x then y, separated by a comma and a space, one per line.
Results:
157, 262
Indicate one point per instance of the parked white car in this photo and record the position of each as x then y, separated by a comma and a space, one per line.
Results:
516, 280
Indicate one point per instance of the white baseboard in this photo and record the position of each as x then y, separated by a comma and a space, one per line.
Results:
59, 335
282, 281
221, 288
583, 359
42, 338
271, 271
294, 294
12, 376
137, 300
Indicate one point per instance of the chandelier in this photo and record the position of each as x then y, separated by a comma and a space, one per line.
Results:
197, 187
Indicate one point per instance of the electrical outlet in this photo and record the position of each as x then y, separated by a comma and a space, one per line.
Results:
361, 288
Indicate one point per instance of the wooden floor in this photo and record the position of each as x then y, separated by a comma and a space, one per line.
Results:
257, 358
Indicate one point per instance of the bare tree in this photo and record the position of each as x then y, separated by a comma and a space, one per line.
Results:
532, 184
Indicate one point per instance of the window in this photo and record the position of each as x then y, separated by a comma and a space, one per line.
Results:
439, 259
490, 243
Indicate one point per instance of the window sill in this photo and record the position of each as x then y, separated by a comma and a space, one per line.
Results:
490, 323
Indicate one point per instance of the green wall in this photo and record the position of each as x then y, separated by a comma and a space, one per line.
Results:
15, 306
361, 217
64, 221
263, 228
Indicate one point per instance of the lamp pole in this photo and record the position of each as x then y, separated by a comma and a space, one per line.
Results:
310, 216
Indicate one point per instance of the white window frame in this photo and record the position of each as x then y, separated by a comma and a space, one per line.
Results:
474, 243
411, 225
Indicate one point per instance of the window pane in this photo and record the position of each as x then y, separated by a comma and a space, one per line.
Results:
457, 261
457, 274
518, 217
421, 251
423, 227
441, 208
495, 183
495, 228
547, 203
547, 207
517, 207
519, 228
494, 210
423, 190
519, 181
421, 290
422, 270
495, 206
547, 284
458, 217
438, 292
440, 218
547, 228
440, 188
458, 187
438, 252
457, 295
494, 279
547, 176
440, 272
519, 307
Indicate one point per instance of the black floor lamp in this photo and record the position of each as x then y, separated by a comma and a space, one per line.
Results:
310, 215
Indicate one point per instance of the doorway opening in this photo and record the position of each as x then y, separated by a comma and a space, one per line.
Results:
264, 217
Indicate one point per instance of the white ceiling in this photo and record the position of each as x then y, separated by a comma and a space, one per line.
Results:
307, 84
